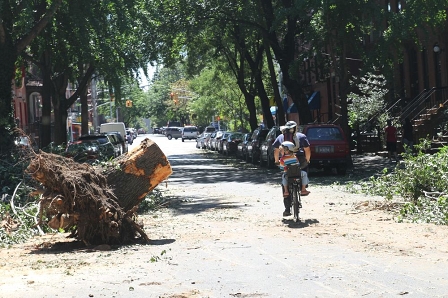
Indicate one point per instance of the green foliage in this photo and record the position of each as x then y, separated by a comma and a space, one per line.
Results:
153, 201
369, 101
16, 228
55, 149
159, 105
219, 95
421, 179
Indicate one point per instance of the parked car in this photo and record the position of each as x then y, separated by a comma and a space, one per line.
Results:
156, 130
107, 148
134, 132
253, 146
116, 140
189, 133
241, 147
329, 147
119, 140
129, 137
208, 140
220, 141
210, 129
230, 143
200, 140
173, 132
84, 151
267, 150
141, 131
130, 132
214, 142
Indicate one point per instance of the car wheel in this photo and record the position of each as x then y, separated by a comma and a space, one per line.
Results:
169, 137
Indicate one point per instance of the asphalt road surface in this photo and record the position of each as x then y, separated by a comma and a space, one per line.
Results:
222, 235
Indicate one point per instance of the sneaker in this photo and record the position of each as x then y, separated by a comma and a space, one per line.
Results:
286, 212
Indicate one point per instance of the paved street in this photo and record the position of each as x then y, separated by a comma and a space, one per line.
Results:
222, 235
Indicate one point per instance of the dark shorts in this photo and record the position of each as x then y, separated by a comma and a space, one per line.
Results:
391, 146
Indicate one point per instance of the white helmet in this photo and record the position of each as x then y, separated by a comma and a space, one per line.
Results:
289, 145
290, 124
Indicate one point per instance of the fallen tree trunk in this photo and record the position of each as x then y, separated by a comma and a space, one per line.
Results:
141, 170
78, 196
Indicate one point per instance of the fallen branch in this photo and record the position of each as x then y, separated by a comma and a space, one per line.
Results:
12, 203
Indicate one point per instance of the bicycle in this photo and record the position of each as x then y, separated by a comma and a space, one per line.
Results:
294, 173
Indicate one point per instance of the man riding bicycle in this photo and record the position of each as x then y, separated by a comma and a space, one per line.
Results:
301, 148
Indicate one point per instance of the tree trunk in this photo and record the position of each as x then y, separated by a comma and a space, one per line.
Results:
46, 99
141, 170
99, 207
7, 122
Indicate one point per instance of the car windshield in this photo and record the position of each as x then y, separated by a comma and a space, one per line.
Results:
324, 134
82, 146
236, 136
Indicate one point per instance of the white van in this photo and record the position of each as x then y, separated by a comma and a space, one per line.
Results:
114, 127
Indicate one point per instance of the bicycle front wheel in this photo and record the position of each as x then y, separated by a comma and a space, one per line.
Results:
295, 201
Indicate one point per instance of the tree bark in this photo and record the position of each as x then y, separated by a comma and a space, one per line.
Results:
141, 170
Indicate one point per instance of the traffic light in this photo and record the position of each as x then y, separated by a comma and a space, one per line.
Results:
112, 97
128, 103
174, 98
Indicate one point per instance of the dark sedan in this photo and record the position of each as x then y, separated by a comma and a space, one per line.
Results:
267, 151
230, 143
254, 145
241, 147
107, 147
86, 151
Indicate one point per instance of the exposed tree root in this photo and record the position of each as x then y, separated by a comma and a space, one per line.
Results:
76, 197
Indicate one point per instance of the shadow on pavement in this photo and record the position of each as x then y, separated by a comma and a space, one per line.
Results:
210, 167
298, 225
196, 204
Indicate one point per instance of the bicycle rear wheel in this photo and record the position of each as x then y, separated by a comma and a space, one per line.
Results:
295, 201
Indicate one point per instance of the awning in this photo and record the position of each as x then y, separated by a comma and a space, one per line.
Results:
314, 101
289, 108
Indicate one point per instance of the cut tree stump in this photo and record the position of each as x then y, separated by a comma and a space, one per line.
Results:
141, 170
78, 197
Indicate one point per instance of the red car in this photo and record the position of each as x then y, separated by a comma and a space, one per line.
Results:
329, 147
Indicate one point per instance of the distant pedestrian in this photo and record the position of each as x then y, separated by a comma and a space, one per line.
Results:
391, 140
408, 135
